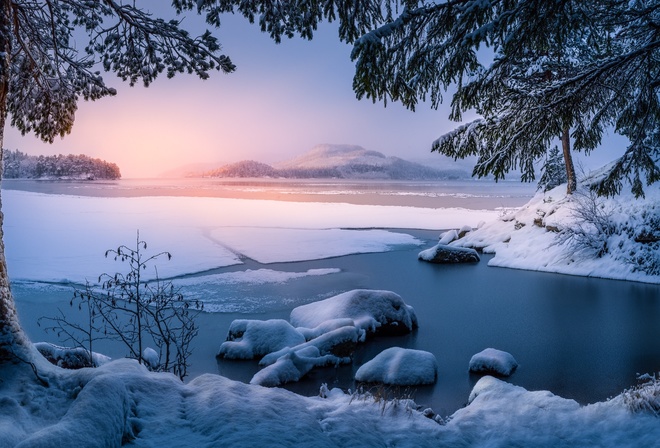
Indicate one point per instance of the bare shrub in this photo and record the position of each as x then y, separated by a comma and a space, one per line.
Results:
593, 225
136, 312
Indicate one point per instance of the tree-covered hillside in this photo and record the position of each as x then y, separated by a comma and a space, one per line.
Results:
18, 165
338, 162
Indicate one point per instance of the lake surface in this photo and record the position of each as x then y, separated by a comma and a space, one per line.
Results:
581, 338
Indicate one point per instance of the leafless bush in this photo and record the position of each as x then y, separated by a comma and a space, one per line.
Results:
593, 225
134, 311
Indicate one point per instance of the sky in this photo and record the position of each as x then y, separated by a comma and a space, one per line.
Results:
280, 102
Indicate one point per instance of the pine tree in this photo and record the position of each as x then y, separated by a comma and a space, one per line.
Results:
602, 56
43, 75
553, 172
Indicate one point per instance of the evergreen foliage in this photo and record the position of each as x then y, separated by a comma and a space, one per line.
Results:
553, 172
47, 72
50, 52
557, 67
18, 165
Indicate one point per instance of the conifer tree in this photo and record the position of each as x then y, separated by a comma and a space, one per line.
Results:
553, 172
603, 57
43, 75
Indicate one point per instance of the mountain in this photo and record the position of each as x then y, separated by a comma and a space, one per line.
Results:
333, 156
338, 161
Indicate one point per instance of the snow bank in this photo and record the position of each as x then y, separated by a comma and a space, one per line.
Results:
249, 339
400, 367
537, 237
371, 310
493, 361
123, 402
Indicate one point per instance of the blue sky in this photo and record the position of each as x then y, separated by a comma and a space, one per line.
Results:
281, 101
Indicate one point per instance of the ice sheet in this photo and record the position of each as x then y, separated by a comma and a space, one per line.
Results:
59, 238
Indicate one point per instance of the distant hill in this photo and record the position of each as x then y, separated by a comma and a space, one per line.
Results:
18, 165
338, 161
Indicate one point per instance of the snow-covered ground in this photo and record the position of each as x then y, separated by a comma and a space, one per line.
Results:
620, 240
122, 403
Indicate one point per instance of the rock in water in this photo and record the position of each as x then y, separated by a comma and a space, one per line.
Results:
443, 253
492, 361
400, 367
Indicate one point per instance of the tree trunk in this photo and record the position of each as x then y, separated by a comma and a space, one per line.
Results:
13, 341
568, 161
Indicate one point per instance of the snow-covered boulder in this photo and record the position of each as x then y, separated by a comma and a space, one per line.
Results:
70, 357
493, 361
339, 342
442, 253
380, 312
400, 367
464, 231
293, 366
249, 339
151, 357
292, 363
448, 237
325, 327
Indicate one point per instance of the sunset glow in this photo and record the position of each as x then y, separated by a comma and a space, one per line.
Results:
281, 101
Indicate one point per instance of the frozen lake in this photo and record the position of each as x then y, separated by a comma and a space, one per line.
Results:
578, 337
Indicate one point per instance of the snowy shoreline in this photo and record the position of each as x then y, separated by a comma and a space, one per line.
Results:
122, 402
618, 241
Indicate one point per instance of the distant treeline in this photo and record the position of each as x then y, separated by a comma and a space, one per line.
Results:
18, 165
398, 170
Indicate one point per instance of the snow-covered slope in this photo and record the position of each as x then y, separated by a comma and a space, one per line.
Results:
579, 234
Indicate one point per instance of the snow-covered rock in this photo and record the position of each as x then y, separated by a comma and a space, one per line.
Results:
249, 339
339, 342
70, 357
464, 231
442, 253
294, 365
448, 237
289, 364
379, 312
151, 357
400, 367
493, 361
325, 327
